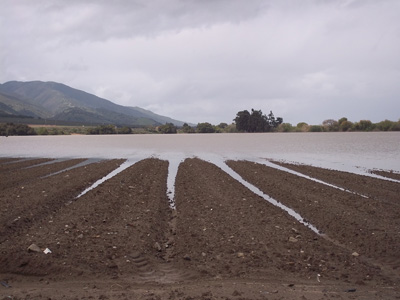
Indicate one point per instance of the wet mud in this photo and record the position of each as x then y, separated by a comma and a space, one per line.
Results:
123, 240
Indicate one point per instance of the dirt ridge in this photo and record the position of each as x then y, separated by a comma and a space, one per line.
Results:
122, 240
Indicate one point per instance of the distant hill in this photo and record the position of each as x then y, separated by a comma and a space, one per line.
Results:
59, 102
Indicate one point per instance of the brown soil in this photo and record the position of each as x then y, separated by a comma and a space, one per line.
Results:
389, 174
121, 240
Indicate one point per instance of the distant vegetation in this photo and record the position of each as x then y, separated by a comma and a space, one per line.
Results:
245, 121
341, 125
168, 128
16, 129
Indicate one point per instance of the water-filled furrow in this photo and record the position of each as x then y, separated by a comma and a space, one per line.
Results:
173, 166
48, 162
280, 168
118, 170
353, 169
81, 164
223, 166
18, 160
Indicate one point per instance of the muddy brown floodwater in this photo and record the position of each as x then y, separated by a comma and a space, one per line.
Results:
122, 240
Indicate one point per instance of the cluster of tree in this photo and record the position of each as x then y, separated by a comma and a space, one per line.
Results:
200, 128
256, 121
15, 129
209, 128
341, 125
167, 128
244, 122
109, 129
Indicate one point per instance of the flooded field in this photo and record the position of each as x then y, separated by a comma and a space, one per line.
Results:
222, 219
342, 151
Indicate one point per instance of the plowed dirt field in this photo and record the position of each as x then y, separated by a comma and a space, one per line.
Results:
122, 240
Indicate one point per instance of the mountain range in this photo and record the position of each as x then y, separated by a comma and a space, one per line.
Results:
58, 102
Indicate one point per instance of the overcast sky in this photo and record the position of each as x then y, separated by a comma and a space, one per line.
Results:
205, 60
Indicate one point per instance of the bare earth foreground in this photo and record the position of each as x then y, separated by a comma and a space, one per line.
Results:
122, 240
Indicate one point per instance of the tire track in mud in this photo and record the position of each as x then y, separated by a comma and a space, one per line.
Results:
367, 227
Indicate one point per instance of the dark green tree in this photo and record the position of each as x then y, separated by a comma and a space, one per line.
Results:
205, 128
315, 128
125, 130
168, 128
331, 125
364, 125
345, 125
256, 121
187, 129
16, 129
242, 120
103, 129
385, 125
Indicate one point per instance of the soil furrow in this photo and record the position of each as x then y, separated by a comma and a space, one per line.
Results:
121, 240
355, 222
11, 178
375, 188
23, 206
103, 232
235, 233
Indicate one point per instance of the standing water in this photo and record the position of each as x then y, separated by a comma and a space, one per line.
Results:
350, 151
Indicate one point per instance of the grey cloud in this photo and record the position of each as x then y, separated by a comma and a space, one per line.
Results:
205, 60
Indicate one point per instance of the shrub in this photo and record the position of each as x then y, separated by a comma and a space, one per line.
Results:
315, 128
346, 126
167, 128
302, 126
103, 129
385, 125
124, 130
205, 128
285, 127
16, 129
364, 125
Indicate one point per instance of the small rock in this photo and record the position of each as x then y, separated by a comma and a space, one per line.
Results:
355, 254
293, 240
80, 236
157, 246
240, 254
187, 257
112, 266
46, 251
34, 248
236, 293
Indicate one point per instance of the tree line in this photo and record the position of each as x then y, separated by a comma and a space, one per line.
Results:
341, 125
8, 129
245, 121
